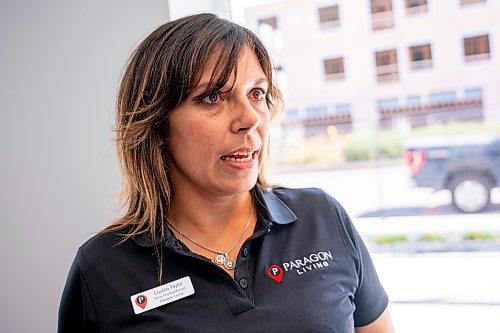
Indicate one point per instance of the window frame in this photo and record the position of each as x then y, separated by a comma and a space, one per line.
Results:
388, 103
471, 2
484, 48
443, 97
342, 109
413, 100
271, 21
473, 93
385, 5
316, 111
419, 8
387, 72
381, 14
336, 75
329, 23
423, 63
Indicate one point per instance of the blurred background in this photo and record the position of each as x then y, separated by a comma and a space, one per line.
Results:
392, 106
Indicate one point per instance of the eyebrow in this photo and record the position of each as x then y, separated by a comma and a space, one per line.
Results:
260, 81
205, 84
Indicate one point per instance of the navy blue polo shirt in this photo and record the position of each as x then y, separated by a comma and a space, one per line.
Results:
304, 269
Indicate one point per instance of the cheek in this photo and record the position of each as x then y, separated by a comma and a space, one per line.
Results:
199, 141
265, 125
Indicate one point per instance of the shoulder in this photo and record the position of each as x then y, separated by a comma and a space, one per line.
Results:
308, 200
315, 209
297, 193
307, 206
106, 246
90, 266
100, 242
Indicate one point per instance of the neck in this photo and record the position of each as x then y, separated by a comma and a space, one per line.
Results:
210, 217
208, 227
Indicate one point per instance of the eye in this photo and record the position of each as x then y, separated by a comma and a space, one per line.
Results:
258, 94
212, 98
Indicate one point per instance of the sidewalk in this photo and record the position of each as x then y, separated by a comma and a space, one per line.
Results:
432, 318
442, 292
456, 223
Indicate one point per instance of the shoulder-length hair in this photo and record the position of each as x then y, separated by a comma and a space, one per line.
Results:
160, 75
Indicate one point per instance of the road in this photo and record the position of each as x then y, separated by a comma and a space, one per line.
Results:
455, 292
377, 192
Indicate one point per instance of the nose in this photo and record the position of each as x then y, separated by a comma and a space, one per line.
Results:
247, 117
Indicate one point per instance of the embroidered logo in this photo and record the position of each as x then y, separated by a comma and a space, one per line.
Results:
300, 265
141, 301
275, 272
309, 263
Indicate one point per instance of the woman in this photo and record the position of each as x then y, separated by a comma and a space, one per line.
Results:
205, 244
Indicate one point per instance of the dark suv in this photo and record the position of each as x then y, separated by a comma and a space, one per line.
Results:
467, 165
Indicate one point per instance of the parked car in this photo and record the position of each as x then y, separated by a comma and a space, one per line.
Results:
467, 165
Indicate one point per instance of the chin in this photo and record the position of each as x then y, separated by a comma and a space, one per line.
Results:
242, 186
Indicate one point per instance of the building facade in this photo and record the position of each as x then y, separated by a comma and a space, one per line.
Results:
380, 64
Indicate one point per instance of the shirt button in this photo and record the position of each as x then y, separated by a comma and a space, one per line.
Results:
243, 283
245, 252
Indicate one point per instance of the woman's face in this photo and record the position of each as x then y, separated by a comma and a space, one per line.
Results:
218, 141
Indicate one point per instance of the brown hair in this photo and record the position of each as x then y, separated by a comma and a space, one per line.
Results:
160, 75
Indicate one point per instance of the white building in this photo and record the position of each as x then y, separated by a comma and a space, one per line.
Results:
363, 65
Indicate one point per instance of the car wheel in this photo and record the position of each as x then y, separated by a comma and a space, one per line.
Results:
470, 192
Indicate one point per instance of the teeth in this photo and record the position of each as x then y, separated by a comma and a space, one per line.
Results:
245, 157
239, 153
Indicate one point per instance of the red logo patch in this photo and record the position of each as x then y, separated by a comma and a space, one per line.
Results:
141, 301
275, 272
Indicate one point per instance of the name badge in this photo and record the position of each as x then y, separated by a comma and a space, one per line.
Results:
164, 294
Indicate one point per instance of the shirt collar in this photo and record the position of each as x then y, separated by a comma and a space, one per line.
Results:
277, 211
268, 203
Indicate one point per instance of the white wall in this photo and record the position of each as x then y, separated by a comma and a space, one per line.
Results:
60, 64
180, 8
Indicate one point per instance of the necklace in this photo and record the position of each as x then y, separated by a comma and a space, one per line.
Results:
221, 258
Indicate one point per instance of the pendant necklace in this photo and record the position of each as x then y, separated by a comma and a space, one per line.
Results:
221, 258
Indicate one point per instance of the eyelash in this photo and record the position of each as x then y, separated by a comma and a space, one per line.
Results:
263, 94
205, 99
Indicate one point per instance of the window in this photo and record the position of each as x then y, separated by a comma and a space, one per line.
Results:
477, 48
382, 14
413, 100
473, 93
387, 103
420, 56
343, 109
380, 6
270, 21
443, 97
468, 2
292, 113
316, 112
416, 6
334, 68
329, 17
387, 65
270, 33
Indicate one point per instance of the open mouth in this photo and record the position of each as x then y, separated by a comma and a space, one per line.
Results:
240, 156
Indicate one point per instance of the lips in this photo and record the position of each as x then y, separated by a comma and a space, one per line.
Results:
240, 156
